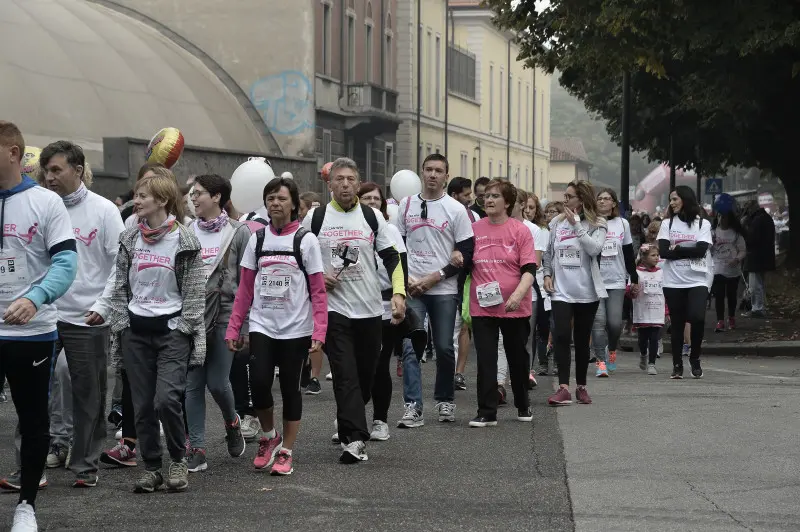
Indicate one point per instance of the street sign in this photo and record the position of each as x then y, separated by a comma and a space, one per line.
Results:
713, 187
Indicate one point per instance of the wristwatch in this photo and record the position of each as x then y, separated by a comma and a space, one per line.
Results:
441, 275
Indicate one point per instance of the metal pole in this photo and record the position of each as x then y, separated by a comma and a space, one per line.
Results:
446, 75
508, 125
625, 178
419, 83
671, 163
533, 140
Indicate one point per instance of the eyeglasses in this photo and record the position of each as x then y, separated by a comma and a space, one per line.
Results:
197, 193
424, 210
568, 197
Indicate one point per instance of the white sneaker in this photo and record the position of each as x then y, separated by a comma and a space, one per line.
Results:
380, 431
24, 518
447, 411
412, 417
354, 452
118, 435
251, 427
329, 376
651, 369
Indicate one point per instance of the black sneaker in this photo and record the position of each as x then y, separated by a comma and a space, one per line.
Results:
482, 421
85, 480
460, 382
314, 387
501, 392
677, 372
525, 414
697, 371
115, 416
149, 482
196, 460
233, 435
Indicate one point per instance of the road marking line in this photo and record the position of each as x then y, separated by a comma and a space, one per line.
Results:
751, 374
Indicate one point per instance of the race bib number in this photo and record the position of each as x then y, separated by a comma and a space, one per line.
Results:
569, 257
14, 271
275, 285
610, 248
489, 294
699, 265
652, 287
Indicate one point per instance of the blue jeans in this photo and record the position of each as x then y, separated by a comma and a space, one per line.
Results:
215, 374
441, 310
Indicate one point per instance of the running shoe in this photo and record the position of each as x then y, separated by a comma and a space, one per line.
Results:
447, 411
720, 327
412, 417
118, 435
542, 370
13, 482
251, 426
677, 372
560, 398
120, 455
651, 369
234, 438
196, 460
85, 480
115, 416
643, 362
582, 395
329, 376
460, 382
314, 387
149, 482
601, 371
178, 476
24, 518
532, 381
731, 323
380, 431
525, 414
354, 452
267, 449
686, 350
612, 361
282, 465
697, 371
57, 456
501, 395
482, 421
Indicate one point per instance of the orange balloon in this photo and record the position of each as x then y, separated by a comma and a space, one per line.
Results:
325, 173
166, 147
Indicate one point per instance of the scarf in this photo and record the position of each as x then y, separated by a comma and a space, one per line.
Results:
151, 236
214, 225
70, 200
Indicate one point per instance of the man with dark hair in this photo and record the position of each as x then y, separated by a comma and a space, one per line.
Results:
480, 186
759, 235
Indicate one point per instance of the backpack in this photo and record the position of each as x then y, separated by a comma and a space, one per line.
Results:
296, 253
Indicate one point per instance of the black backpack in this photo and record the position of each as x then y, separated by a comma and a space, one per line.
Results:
298, 256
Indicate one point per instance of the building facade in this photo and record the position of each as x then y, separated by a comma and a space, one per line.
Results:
464, 94
355, 80
568, 162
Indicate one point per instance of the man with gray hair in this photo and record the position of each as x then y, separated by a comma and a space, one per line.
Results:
349, 235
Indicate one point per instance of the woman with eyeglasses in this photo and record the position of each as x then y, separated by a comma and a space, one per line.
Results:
572, 277
617, 263
684, 242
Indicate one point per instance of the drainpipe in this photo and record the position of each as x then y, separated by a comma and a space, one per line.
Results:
383, 43
342, 55
533, 138
419, 81
508, 125
447, 14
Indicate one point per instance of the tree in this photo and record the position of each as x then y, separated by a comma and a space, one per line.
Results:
721, 80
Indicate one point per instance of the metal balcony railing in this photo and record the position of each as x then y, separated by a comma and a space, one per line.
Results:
368, 97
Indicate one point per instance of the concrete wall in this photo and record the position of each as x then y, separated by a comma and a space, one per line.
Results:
263, 50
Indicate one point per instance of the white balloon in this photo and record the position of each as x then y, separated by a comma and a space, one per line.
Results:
248, 182
405, 183
393, 211
287, 175
543, 202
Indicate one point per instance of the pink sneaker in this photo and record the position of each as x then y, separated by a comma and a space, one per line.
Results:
121, 455
283, 464
267, 449
731, 323
582, 395
560, 398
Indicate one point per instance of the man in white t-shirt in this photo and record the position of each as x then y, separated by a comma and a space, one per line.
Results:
38, 263
434, 225
349, 234
82, 311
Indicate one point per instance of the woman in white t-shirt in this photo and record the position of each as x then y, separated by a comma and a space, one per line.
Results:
617, 263
157, 323
572, 277
283, 289
728, 251
684, 242
540, 327
223, 242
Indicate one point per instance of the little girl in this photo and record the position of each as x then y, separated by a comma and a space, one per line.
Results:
649, 306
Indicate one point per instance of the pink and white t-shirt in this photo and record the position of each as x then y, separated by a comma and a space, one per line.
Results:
210, 244
687, 273
281, 303
612, 261
154, 286
501, 250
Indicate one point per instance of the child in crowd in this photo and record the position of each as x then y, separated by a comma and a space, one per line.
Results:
649, 307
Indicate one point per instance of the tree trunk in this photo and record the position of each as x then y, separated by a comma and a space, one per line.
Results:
792, 187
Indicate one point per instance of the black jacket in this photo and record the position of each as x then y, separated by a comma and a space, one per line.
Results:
759, 230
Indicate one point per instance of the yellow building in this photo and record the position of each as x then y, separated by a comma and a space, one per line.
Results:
494, 119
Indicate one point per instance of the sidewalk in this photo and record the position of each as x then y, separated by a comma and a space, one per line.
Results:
755, 337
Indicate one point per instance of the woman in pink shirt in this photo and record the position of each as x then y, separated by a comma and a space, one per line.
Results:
503, 270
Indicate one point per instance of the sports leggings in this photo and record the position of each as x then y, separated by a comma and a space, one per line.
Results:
583, 316
290, 357
725, 287
686, 305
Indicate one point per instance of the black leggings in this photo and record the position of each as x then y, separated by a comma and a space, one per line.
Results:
725, 287
290, 357
686, 305
648, 341
540, 334
583, 316
240, 383
382, 384
27, 365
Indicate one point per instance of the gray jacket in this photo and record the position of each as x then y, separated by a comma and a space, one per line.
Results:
591, 238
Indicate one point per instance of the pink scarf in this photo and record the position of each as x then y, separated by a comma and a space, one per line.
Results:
151, 236
213, 225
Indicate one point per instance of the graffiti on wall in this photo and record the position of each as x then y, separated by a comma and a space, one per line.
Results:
285, 102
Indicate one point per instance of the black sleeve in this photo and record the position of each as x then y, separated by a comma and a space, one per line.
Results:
529, 268
630, 262
467, 248
696, 252
65, 245
404, 264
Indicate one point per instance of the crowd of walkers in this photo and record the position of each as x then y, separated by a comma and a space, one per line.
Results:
230, 301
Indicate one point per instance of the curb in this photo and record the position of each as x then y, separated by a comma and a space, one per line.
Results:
762, 349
